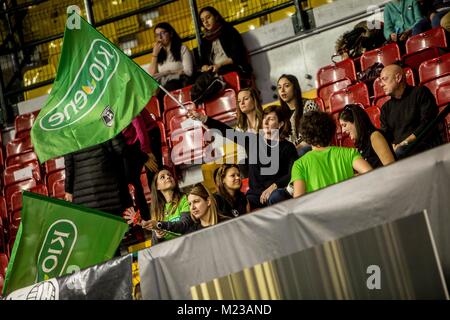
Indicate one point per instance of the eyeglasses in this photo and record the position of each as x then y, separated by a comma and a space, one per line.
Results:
161, 34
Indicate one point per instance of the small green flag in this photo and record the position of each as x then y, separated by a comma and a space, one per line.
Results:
97, 92
56, 237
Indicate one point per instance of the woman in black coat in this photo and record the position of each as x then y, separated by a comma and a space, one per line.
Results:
222, 48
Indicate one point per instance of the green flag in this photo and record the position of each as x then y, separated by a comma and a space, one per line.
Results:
98, 90
57, 238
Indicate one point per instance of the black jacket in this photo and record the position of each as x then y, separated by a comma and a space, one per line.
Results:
232, 44
97, 179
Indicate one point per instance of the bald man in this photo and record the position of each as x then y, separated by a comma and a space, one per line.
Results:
407, 113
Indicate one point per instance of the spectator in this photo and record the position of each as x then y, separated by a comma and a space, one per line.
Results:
434, 12
291, 101
172, 64
324, 165
168, 204
370, 142
265, 189
407, 113
203, 213
231, 202
401, 20
96, 177
144, 140
365, 36
249, 111
222, 48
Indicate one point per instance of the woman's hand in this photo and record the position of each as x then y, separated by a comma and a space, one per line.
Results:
157, 46
152, 163
160, 234
68, 197
149, 224
266, 193
132, 217
206, 68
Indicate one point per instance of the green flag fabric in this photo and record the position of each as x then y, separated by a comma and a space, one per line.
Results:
97, 92
56, 238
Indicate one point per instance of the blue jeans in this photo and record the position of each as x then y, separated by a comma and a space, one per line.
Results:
278, 195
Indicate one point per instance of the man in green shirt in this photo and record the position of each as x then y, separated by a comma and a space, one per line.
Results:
324, 165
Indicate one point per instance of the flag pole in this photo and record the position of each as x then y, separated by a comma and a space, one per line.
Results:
172, 97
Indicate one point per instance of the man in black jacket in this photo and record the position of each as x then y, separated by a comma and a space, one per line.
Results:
407, 113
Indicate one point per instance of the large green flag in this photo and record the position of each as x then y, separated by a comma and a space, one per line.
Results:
98, 90
56, 237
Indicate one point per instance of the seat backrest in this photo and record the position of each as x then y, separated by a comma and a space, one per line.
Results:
58, 190
320, 103
21, 158
16, 200
222, 108
326, 91
174, 117
21, 172
344, 69
22, 185
443, 94
3, 263
40, 189
434, 68
183, 95
432, 38
24, 122
53, 177
153, 108
386, 55
17, 146
357, 93
434, 84
54, 165
374, 114
381, 101
233, 81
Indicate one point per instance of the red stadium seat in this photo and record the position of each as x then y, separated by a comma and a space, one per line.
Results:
20, 172
54, 165
52, 178
153, 108
431, 38
434, 68
386, 55
434, 84
443, 94
374, 114
379, 102
334, 72
58, 190
21, 158
3, 263
223, 108
145, 185
320, 103
233, 81
357, 93
414, 60
188, 133
3, 212
183, 95
23, 123
326, 91
17, 146
22, 185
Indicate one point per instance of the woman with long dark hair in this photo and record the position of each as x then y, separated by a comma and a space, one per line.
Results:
370, 142
222, 48
172, 64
